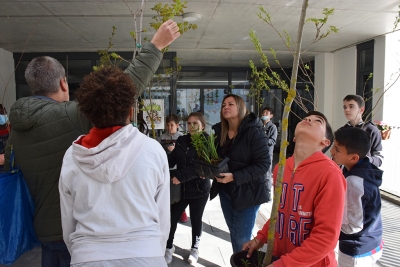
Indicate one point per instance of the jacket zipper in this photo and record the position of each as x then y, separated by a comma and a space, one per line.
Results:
288, 208
187, 150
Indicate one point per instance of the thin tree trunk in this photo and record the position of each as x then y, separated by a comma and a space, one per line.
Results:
284, 142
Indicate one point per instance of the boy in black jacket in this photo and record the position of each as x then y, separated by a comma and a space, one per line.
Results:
272, 133
360, 241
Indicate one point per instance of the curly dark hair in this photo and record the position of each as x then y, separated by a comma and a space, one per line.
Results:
105, 97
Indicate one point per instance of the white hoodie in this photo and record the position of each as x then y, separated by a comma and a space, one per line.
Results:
114, 197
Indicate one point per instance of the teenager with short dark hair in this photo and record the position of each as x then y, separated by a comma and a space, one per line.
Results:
172, 126
360, 241
354, 107
311, 207
272, 133
168, 141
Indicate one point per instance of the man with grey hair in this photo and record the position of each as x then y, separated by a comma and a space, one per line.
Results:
45, 125
45, 75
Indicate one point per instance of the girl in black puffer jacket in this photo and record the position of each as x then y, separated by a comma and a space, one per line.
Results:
195, 190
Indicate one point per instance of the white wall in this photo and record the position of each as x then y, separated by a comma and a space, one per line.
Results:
379, 77
7, 79
392, 72
344, 82
324, 84
386, 70
335, 77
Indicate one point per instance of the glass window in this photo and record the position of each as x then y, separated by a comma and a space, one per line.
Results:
212, 106
121, 64
366, 58
273, 99
75, 70
365, 66
244, 94
159, 90
186, 101
241, 87
23, 90
20, 71
202, 78
241, 79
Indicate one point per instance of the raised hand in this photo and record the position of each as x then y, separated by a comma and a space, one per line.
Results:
166, 34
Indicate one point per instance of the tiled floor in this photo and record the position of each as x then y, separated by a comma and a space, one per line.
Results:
215, 248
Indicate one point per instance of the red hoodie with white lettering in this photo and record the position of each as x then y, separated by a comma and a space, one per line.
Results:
310, 213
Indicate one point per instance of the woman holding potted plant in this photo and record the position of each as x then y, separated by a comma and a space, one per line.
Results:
195, 190
244, 188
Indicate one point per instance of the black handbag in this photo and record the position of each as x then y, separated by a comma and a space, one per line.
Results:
175, 190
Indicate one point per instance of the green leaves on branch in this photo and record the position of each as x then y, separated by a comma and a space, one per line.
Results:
206, 147
264, 15
397, 20
107, 58
257, 46
319, 23
264, 77
166, 12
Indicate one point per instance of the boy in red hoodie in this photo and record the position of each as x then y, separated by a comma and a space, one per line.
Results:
311, 207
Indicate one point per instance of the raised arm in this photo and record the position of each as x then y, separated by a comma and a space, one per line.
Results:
146, 63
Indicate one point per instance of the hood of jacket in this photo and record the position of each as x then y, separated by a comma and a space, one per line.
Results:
109, 162
251, 120
268, 124
367, 171
316, 157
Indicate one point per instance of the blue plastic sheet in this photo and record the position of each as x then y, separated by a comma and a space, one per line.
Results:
16, 218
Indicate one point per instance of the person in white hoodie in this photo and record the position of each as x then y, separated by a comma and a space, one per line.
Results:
114, 182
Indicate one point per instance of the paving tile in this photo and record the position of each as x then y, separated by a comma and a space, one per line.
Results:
213, 215
210, 256
226, 252
216, 249
183, 240
215, 239
219, 225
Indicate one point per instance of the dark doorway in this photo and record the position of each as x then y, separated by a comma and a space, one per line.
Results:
365, 68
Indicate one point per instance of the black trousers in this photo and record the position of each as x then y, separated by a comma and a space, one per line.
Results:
196, 210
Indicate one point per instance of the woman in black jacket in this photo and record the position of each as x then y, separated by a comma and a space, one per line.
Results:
195, 190
244, 188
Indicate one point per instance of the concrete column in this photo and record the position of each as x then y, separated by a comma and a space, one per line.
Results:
324, 74
345, 78
7, 79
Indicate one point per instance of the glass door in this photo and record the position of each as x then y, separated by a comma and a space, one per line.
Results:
212, 106
187, 101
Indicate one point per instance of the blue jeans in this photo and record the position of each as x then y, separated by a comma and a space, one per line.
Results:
55, 254
240, 221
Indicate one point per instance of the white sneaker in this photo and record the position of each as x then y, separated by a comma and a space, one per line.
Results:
168, 254
194, 255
